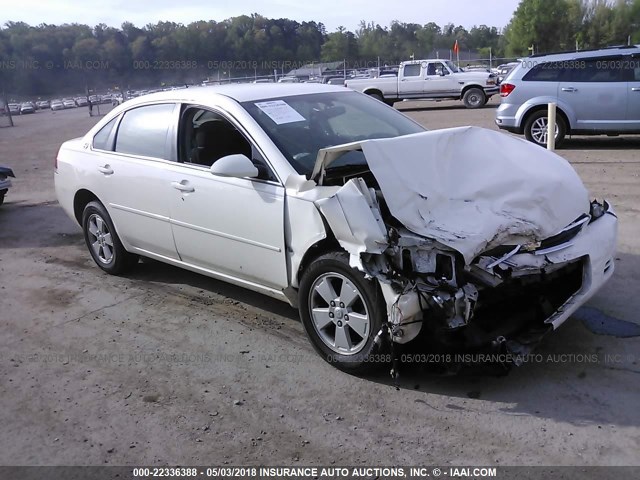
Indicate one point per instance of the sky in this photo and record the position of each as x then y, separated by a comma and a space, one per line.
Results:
332, 13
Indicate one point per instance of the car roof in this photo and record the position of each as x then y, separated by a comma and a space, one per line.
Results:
244, 92
602, 52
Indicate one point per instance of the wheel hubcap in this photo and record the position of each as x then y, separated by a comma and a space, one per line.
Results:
474, 99
539, 130
339, 314
100, 239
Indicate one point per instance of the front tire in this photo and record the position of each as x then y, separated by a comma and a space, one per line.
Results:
535, 128
342, 312
103, 242
474, 98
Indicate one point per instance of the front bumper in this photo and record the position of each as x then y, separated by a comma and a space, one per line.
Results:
597, 244
593, 248
493, 90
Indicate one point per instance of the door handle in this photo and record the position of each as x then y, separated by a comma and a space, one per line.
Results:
106, 169
635, 89
183, 187
569, 89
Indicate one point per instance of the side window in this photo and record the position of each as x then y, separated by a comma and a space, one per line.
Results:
103, 140
632, 67
412, 70
205, 136
431, 69
441, 69
545, 72
599, 70
143, 131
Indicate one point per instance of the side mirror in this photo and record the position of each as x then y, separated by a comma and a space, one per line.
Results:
236, 165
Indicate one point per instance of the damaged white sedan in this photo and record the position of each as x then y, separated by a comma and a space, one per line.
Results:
377, 230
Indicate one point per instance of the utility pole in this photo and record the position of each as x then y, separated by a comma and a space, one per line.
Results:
7, 109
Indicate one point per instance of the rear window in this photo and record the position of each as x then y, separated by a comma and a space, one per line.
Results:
412, 70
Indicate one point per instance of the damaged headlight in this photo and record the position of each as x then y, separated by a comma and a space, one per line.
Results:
598, 209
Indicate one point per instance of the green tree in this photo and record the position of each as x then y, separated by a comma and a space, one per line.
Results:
340, 45
548, 25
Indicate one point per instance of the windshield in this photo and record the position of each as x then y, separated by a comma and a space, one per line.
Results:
452, 66
303, 124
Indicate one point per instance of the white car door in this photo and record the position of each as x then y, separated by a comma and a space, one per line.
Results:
232, 227
131, 177
437, 83
410, 81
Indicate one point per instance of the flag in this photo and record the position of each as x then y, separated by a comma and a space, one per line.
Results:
456, 48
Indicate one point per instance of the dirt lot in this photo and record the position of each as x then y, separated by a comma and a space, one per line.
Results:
169, 367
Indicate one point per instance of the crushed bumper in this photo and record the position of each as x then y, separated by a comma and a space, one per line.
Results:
566, 278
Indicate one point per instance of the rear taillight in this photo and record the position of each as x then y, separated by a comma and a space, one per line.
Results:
506, 89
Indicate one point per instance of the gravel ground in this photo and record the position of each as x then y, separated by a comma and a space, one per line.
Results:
168, 367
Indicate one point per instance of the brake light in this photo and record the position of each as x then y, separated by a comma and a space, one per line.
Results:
506, 89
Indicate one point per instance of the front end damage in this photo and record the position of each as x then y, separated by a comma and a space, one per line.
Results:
471, 288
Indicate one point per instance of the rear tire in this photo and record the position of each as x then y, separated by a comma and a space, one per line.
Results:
535, 128
103, 242
377, 96
342, 312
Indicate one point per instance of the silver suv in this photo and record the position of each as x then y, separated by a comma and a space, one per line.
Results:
597, 92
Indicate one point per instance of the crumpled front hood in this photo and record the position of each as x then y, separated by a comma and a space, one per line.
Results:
472, 189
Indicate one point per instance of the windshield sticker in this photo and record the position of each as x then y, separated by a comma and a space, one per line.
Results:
280, 112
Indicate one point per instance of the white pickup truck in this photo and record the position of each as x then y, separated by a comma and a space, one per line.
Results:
430, 80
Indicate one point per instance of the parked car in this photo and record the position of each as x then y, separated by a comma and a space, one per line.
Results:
27, 108
5, 183
431, 80
334, 80
14, 108
503, 70
57, 105
69, 103
476, 68
116, 100
42, 104
596, 92
81, 101
326, 198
